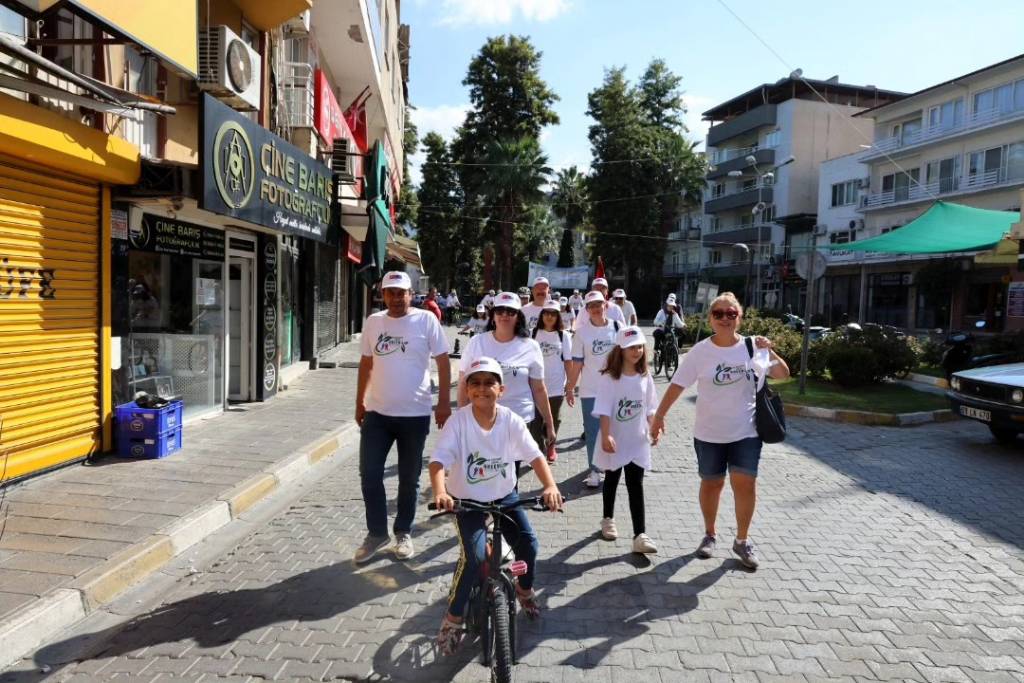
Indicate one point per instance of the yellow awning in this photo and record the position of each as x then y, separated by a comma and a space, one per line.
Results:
1005, 253
267, 15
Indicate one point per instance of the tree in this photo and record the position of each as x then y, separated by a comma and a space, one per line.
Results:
569, 202
566, 257
440, 216
408, 202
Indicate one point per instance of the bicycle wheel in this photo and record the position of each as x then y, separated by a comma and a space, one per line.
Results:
671, 361
658, 360
501, 661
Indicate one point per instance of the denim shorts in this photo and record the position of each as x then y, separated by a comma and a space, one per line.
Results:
713, 459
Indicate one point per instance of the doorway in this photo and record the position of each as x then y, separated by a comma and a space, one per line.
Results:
241, 317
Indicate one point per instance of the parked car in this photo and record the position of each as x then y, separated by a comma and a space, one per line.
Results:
991, 395
418, 299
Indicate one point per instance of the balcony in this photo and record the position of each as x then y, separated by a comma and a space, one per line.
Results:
942, 188
297, 88
680, 269
765, 115
903, 144
741, 234
736, 160
736, 199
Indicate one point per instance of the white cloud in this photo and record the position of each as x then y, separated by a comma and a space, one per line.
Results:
463, 12
443, 119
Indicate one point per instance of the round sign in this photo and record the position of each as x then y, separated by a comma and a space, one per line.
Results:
270, 286
269, 345
269, 376
270, 254
269, 318
234, 165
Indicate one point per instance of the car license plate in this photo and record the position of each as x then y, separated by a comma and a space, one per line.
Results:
983, 415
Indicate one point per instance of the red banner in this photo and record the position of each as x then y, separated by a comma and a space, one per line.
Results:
353, 249
328, 117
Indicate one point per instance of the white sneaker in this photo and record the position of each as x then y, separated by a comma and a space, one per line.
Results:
608, 529
594, 479
403, 546
644, 545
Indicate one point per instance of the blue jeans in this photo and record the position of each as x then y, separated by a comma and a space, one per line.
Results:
379, 433
713, 459
591, 428
473, 550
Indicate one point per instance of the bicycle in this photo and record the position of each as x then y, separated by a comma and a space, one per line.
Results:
491, 609
666, 354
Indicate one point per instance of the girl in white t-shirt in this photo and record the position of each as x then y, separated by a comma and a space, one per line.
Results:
727, 369
478, 448
478, 323
556, 347
625, 404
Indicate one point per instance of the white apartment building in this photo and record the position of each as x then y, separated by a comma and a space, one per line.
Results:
765, 147
959, 141
683, 260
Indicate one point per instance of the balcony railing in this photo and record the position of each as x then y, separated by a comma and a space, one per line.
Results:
979, 119
723, 155
942, 186
297, 87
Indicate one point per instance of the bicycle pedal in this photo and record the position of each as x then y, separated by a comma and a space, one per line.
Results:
518, 568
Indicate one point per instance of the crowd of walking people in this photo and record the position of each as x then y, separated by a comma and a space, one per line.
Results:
531, 351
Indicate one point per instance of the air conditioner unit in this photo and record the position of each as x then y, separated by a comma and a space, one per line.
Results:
299, 23
343, 162
864, 183
229, 68
860, 223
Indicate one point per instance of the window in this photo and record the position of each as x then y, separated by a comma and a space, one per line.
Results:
985, 166
945, 173
716, 224
1015, 161
946, 115
746, 219
844, 194
840, 237
907, 131
718, 189
715, 257
749, 184
773, 139
768, 215
995, 100
900, 183
12, 24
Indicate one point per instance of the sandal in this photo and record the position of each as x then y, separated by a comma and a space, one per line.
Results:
528, 603
449, 637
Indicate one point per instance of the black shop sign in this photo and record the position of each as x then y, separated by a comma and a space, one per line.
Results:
251, 174
171, 236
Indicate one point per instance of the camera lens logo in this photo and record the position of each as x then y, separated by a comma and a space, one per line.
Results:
234, 166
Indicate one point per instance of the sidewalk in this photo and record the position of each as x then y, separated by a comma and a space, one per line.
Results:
76, 538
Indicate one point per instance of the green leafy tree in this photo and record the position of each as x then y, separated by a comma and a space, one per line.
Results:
569, 202
408, 201
440, 216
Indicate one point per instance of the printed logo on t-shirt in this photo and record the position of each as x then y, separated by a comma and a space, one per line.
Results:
730, 374
531, 322
599, 347
514, 369
628, 410
480, 469
386, 344
549, 349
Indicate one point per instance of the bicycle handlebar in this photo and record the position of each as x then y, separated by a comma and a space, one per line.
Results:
534, 502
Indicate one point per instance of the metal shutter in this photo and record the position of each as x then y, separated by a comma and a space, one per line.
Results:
49, 317
327, 306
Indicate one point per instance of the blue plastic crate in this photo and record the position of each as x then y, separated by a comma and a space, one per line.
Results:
149, 423
159, 446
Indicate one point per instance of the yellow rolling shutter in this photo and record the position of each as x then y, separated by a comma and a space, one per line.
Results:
49, 317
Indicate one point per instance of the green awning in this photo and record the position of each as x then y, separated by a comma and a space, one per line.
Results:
943, 228
375, 245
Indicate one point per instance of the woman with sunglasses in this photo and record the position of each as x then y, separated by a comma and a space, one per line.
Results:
725, 437
507, 340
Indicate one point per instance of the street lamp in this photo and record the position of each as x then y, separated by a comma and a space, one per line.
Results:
759, 208
746, 288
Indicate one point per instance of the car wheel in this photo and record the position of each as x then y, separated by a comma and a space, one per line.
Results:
1003, 435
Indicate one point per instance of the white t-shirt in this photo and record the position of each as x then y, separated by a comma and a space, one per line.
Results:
725, 380
520, 361
453, 301
477, 325
575, 302
481, 464
591, 346
555, 354
532, 313
659, 320
613, 312
487, 301
628, 402
401, 349
628, 310
568, 319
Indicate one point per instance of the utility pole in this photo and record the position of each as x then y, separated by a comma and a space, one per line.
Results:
809, 308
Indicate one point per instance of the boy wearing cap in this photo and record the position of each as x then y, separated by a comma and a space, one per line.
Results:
479, 448
393, 405
532, 310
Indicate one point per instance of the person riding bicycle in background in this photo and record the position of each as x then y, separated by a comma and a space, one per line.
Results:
451, 305
576, 302
478, 323
478, 448
488, 300
668, 317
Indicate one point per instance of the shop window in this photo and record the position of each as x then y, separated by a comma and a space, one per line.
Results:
292, 323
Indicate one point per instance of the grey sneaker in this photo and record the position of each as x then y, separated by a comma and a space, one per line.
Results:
369, 548
747, 553
707, 547
403, 546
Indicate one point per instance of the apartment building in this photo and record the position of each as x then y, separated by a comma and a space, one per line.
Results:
682, 265
187, 190
764, 148
960, 141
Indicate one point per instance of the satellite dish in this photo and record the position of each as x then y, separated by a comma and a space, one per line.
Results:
810, 265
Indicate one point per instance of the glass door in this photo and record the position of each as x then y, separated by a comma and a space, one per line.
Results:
240, 285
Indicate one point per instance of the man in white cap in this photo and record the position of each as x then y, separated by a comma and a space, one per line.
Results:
488, 299
668, 317
539, 292
612, 310
628, 309
393, 405
576, 302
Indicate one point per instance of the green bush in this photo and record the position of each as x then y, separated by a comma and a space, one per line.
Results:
854, 366
931, 352
880, 353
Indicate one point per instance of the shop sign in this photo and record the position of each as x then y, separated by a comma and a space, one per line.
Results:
328, 118
118, 224
251, 174
267, 273
354, 251
171, 236
1015, 300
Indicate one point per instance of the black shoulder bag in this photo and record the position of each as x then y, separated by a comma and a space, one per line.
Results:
769, 414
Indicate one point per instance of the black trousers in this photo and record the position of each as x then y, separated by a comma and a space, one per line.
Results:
635, 489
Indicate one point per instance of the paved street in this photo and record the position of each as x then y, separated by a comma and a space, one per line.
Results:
887, 554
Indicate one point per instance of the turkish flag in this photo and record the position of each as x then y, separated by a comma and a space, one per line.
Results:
599, 272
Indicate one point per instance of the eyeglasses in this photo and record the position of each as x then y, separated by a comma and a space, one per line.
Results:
504, 311
730, 313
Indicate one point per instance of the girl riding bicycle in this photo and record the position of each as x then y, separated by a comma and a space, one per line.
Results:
478, 323
479, 447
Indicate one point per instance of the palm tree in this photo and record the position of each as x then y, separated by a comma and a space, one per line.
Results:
570, 202
516, 171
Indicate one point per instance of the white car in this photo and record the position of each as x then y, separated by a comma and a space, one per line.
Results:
993, 395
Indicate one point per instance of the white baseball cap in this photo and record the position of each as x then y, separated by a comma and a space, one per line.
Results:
599, 281
619, 294
551, 306
630, 336
396, 279
508, 300
591, 297
671, 298
485, 364
563, 301
480, 308
540, 281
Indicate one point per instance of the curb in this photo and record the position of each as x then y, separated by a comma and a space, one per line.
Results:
861, 417
937, 382
61, 608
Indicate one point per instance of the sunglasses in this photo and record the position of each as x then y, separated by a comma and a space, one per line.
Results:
730, 313
505, 311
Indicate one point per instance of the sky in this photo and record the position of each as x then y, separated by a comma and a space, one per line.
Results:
903, 46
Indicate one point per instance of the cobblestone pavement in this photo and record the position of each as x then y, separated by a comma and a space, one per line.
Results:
887, 554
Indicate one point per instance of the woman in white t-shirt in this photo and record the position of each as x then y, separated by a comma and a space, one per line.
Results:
590, 346
625, 404
507, 340
727, 371
556, 347
568, 315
